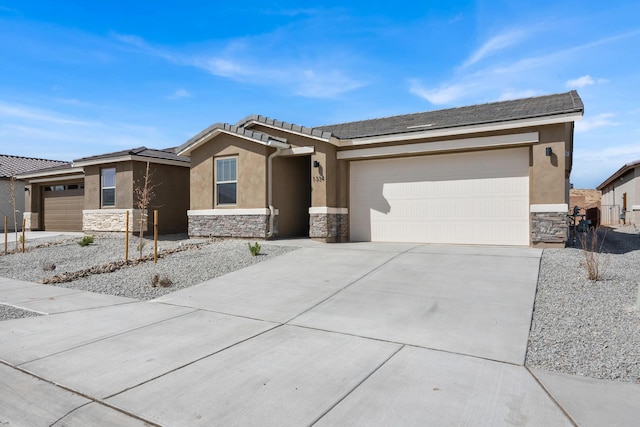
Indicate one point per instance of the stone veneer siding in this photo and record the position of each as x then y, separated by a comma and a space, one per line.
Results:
549, 227
254, 226
332, 227
30, 220
112, 220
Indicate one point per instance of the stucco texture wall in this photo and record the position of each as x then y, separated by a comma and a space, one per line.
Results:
252, 171
171, 195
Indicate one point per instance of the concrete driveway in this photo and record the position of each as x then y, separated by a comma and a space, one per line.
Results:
347, 334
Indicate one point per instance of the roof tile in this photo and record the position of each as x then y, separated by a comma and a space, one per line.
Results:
496, 112
15, 165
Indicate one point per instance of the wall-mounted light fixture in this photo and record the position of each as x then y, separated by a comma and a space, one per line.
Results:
316, 164
548, 151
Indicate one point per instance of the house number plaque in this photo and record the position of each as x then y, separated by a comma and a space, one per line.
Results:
318, 178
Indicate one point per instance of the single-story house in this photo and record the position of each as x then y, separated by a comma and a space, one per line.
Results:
11, 166
93, 194
621, 195
495, 173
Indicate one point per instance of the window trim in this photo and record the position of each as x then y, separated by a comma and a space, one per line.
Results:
103, 187
217, 183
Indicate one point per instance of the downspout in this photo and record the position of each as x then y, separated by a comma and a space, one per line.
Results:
279, 146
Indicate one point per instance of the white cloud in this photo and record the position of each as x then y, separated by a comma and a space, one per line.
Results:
33, 128
14, 111
140, 44
324, 84
592, 165
238, 60
517, 94
601, 120
581, 82
221, 67
179, 94
495, 44
445, 94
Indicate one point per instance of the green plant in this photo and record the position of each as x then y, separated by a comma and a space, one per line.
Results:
86, 241
595, 261
254, 249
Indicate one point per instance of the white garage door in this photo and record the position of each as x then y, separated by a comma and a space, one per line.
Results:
466, 198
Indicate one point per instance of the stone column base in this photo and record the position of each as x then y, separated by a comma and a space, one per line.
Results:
329, 224
549, 225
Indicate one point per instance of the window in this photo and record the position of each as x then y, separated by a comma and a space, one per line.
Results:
226, 181
108, 187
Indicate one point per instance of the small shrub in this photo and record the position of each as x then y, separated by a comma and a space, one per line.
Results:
141, 244
163, 282
595, 261
86, 241
254, 249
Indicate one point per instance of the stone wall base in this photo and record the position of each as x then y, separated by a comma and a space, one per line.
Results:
549, 228
242, 226
112, 221
329, 227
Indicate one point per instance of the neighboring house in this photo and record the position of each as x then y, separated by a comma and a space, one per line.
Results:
11, 166
588, 203
494, 173
94, 193
621, 196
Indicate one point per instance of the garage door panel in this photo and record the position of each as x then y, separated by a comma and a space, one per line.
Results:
63, 210
469, 198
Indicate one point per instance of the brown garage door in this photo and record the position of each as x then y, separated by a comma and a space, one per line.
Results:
63, 206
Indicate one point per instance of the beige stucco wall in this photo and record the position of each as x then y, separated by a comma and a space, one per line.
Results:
548, 175
252, 170
326, 187
171, 195
124, 185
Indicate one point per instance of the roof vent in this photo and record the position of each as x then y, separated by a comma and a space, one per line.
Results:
419, 126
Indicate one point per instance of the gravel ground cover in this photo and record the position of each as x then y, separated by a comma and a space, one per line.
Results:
584, 327
203, 260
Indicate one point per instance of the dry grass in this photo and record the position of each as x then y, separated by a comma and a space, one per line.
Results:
595, 260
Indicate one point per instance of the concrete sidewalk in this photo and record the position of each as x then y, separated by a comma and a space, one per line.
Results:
346, 334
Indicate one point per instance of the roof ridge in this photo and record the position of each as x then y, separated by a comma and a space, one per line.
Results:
571, 93
306, 130
33, 158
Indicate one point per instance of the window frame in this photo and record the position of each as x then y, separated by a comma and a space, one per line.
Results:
219, 182
103, 187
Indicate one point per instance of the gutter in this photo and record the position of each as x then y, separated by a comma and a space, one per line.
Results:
279, 146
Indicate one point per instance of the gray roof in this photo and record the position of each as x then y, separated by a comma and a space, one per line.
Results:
15, 165
238, 130
152, 153
624, 169
284, 125
495, 112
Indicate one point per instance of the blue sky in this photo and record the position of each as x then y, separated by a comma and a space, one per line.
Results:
83, 78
